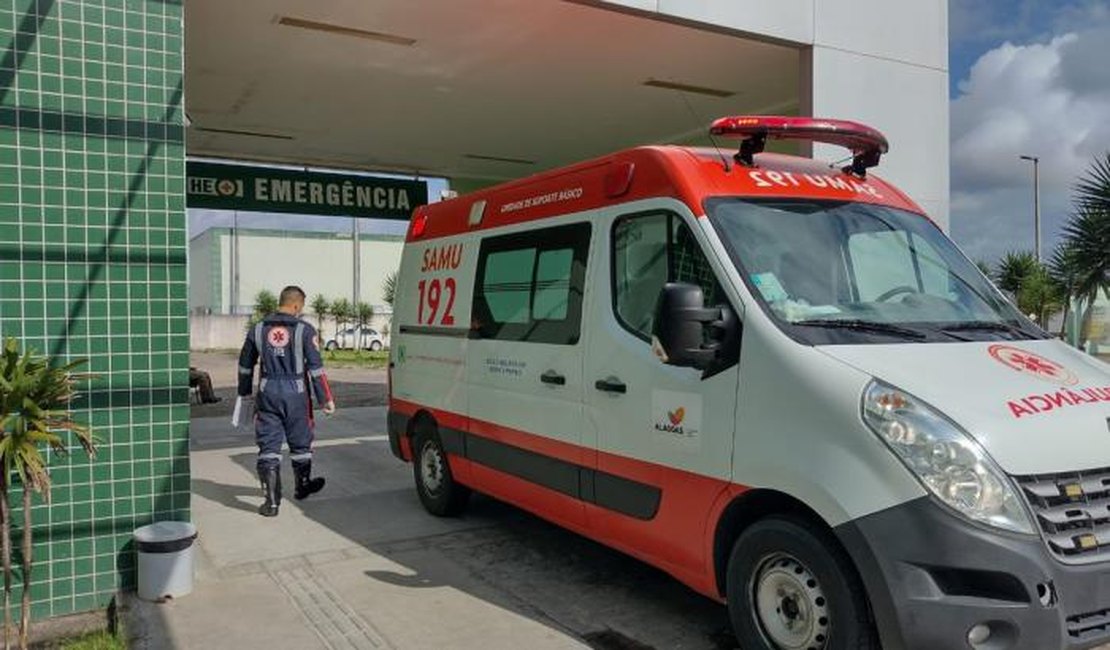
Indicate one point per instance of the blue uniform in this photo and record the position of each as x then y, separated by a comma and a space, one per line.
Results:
290, 366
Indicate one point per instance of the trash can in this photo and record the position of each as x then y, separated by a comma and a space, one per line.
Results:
165, 553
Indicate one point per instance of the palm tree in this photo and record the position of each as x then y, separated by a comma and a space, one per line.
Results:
1012, 270
1087, 232
1093, 190
341, 312
35, 401
985, 268
363, 314
1062, 269
265, 303
320, 307
389, 288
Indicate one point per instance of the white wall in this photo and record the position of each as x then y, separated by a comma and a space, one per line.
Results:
272, 260
885, 63
379, 259
200, 270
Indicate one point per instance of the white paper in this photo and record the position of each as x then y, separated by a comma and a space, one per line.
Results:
237, 411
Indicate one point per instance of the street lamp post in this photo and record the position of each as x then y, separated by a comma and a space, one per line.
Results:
1036, 204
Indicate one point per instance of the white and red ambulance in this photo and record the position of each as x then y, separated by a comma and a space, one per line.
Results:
771, 377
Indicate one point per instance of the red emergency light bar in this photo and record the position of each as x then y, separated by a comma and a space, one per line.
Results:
866, 144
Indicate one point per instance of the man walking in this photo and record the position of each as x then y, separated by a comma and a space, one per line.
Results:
290, 366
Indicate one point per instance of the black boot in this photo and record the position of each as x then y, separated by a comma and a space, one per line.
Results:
271, 489
306, 485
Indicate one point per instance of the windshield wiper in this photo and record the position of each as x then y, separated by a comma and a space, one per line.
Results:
863, 326
988, 326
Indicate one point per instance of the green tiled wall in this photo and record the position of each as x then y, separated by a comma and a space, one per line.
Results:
92, 264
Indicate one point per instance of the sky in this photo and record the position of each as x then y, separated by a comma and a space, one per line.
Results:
1027, 77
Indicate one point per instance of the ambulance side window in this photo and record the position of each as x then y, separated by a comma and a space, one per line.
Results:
529, 286
648, 251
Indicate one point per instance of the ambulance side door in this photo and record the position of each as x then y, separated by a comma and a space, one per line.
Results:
524, 368
664, 433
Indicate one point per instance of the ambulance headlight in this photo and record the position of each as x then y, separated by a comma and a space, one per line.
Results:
950, 464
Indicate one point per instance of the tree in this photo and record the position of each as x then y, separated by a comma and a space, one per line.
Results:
35, 399
363, 313
265, 303
1031, 285
1012, 270
1062, 269
1087, 235
320, 306
1039, 295
985, 268
341, 312
389, 288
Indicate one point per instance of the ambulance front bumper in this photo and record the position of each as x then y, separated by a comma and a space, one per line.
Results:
937, 582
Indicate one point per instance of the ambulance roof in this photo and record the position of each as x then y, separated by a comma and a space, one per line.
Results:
686, 174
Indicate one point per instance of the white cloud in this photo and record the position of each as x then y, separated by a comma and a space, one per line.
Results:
1049, 99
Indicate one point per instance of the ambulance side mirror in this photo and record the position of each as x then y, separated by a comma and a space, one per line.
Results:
679, 334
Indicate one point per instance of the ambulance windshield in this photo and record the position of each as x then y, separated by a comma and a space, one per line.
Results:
836, 272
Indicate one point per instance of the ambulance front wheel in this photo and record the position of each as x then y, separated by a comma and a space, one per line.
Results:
789, 585
438, 491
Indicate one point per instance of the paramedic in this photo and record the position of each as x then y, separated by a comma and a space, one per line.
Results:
290, 371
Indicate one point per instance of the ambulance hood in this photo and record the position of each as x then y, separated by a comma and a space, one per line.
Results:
1037, 407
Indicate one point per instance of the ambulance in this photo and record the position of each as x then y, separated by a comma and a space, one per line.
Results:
772, 377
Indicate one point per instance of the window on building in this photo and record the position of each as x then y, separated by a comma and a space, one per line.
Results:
530, 285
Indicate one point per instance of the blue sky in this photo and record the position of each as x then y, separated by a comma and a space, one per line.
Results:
1027, 77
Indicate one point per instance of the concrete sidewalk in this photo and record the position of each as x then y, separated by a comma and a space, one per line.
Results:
362, 565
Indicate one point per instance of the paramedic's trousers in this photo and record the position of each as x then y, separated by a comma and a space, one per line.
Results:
283, 415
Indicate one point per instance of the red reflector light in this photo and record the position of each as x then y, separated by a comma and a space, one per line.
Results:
619, 179
865, 143
419, 224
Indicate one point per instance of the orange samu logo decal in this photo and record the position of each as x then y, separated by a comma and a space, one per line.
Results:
1033, 364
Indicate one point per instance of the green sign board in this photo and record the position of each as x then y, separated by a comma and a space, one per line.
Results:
264, 189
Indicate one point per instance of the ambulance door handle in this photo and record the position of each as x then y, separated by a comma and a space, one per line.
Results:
611, 385
553, 378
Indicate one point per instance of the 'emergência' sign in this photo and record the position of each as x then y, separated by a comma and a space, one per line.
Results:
264, 189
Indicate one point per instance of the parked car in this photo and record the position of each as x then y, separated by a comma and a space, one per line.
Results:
368, 339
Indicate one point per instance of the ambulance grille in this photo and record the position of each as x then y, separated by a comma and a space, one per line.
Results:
1089, 626
1073, 511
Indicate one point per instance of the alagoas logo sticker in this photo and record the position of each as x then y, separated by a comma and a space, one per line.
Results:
1033, 364
676, 414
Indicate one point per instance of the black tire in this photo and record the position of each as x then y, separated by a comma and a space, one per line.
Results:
442, 498
834, 609
331, 346
375, 345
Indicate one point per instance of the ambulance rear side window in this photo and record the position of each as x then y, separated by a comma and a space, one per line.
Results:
529, 286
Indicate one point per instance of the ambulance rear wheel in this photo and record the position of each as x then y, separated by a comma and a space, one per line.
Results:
790, 586
435, 485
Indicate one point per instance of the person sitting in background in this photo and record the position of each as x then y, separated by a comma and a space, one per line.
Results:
202, 382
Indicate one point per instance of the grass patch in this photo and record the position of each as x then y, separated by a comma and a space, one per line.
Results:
356, 359
102, 640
